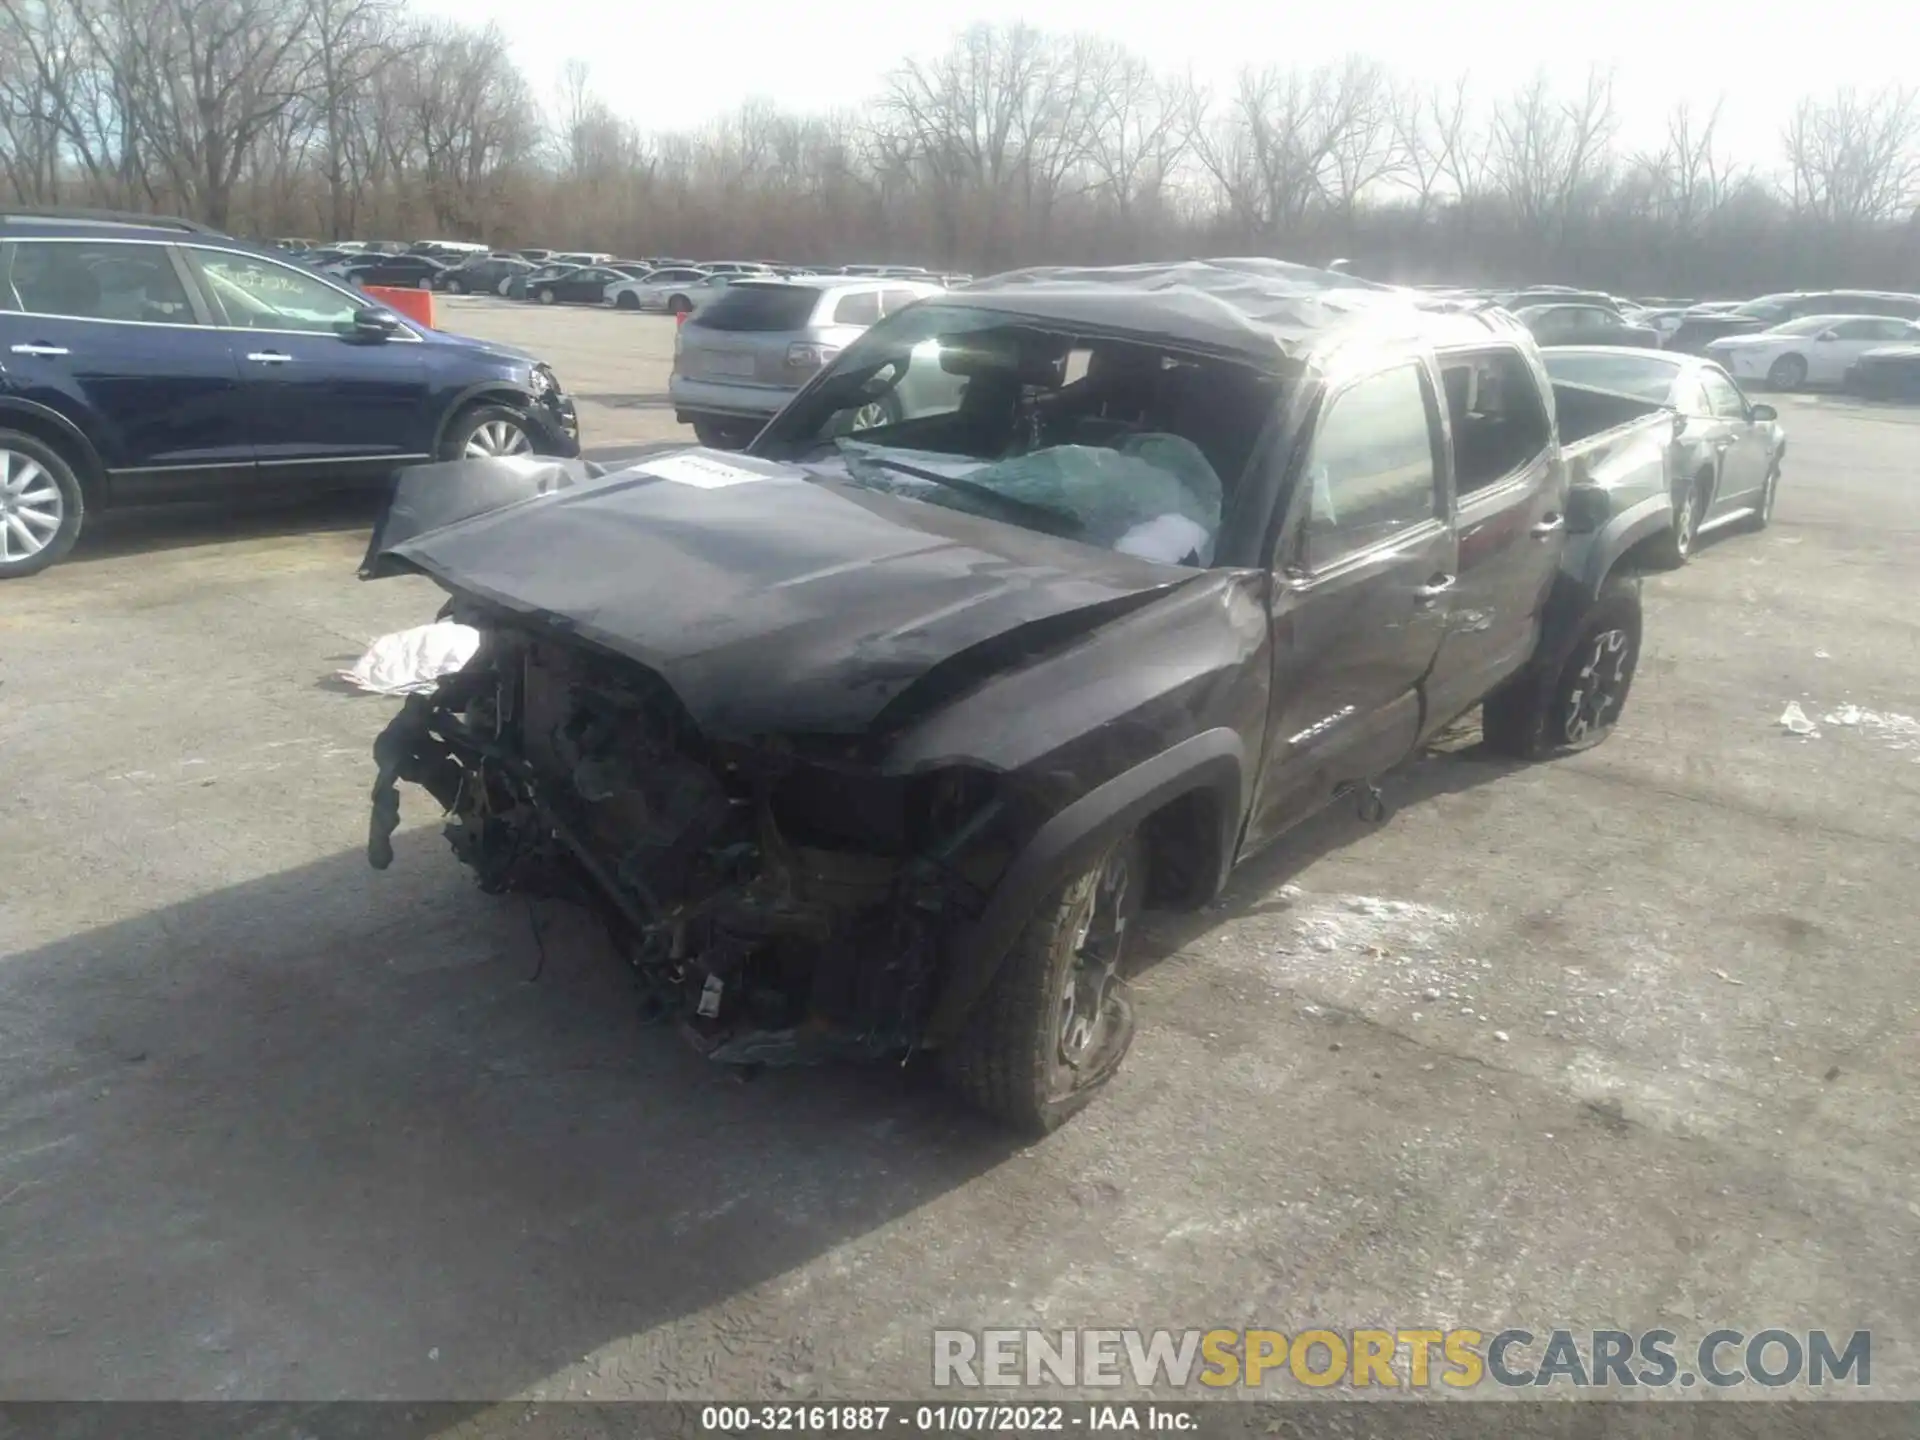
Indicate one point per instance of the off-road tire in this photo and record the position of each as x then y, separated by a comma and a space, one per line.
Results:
1530, 717
1005, 1062
73, 505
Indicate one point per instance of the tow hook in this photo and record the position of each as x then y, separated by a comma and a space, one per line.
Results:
1368, 803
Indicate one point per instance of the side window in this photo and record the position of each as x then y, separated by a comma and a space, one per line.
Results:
255, 294
1724, 396
99, 280
1857, 330
859, 307
1494, 410
1370, 472
1690, 398
892, 300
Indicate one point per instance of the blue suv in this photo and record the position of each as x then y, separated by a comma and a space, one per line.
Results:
145, 359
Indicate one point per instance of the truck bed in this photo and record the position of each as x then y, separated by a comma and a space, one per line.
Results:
1614, 440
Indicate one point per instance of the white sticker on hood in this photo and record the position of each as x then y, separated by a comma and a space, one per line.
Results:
701, 470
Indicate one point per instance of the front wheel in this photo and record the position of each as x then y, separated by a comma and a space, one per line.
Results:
626, 300
1789, 372
1054, 1026
454, 287
546, 296
486, 432
1570, 698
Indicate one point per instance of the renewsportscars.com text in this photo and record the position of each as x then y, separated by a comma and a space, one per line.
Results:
1459, 1359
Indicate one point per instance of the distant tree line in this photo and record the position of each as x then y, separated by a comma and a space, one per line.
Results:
338, 118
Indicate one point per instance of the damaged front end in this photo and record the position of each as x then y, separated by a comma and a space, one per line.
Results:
784, 900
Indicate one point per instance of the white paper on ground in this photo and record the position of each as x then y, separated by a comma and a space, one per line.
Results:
410, 660
699, 470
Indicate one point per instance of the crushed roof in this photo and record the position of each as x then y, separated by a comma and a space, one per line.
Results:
1258, 308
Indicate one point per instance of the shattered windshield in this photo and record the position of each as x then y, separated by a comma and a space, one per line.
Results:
1117, 443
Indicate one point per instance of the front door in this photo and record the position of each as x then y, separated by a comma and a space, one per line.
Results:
321, 402
104, 332
1363, 587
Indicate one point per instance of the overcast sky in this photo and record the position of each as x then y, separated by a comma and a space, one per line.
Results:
674, 66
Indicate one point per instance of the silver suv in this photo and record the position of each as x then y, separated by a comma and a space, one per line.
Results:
738, 359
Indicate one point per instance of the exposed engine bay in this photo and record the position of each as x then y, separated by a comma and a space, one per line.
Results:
784, 907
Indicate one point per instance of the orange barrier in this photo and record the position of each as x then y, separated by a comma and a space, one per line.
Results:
414, 304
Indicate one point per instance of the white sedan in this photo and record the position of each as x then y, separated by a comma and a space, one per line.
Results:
1816, 349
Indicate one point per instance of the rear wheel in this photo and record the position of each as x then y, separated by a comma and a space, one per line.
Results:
41, 505
679, 305
1789, 372
1054, 1026
455, 287
1763, 512
1571, 697
718, 434
1675, 548
486, 432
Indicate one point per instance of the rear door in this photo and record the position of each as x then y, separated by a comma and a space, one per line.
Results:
321, 402
106, 333
1362, 590
1510, 499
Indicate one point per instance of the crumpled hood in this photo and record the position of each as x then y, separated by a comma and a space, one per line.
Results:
772, 603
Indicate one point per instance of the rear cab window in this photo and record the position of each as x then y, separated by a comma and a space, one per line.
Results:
1494, 410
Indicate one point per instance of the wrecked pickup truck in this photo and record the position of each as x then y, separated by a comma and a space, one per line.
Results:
1043, 603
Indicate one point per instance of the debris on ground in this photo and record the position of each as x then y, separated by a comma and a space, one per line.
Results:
1796, 722
413, 660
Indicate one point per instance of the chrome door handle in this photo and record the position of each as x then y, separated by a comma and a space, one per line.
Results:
1436, 587
31, 349
269, 357
1552, 525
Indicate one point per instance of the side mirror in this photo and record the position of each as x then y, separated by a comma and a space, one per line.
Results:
371, 324
1825, 335
1763, 412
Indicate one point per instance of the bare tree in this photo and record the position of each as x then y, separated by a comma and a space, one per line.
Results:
1548, 152
1855, 159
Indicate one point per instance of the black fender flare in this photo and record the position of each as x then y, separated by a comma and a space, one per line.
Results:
501, 390
93, 473
1618, 537
1214, 761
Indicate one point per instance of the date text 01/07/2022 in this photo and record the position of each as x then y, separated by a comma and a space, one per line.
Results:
943, 1418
